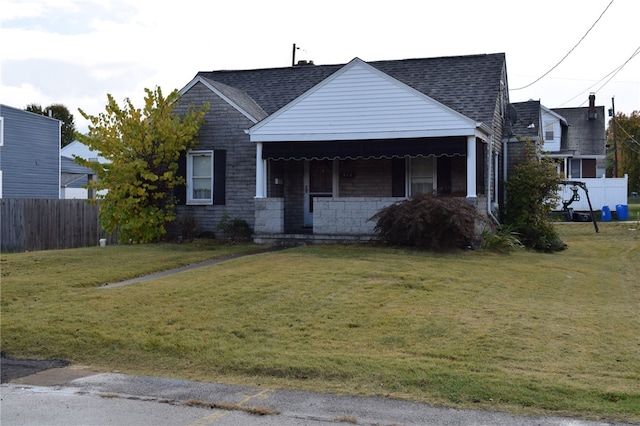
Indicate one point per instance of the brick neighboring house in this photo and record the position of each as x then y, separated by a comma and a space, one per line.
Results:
313, 151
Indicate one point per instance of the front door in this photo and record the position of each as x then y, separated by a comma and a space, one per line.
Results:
318, 182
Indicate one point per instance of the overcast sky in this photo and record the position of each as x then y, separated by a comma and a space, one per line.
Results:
74, 52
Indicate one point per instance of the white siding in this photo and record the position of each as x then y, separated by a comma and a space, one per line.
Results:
551, 121
360, 102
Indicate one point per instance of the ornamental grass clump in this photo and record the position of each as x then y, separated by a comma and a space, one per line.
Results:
428, 222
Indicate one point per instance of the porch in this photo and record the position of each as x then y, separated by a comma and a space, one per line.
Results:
339, 219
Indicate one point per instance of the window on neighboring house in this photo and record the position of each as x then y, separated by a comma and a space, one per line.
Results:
422, 173
200, 177
548, 132
575, 168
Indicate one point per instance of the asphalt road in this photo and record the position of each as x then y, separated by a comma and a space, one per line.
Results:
74, 396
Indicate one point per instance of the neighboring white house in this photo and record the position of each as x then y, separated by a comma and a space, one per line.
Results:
74, 177
552, 130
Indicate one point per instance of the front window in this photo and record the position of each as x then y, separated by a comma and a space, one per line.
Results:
422, 176
200, 177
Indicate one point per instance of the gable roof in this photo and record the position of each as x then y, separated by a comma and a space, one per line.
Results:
240, 100
78, 149
554, 114
361, 102
71, 172
68, 165
469, 84
586, 137
527, 113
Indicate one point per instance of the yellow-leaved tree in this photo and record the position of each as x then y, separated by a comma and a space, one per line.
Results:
143, 147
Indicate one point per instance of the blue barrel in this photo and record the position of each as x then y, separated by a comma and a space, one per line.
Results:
622, 211
606, 214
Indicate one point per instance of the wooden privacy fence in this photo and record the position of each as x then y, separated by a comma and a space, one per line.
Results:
34, 224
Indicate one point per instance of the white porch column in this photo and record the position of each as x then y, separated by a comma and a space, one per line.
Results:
261, 173
471, 167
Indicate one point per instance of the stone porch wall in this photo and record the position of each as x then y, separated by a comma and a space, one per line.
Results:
347, 215
343, 216
269, 216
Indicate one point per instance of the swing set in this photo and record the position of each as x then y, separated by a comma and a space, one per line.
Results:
576, 197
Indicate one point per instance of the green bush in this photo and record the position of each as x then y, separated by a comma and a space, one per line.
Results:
190, 227
428, 222
531, 196
235, 230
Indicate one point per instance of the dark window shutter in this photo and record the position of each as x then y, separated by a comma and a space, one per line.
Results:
180, 191
398, 166
219, 176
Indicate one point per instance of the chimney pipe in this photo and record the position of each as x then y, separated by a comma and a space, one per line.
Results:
591, 113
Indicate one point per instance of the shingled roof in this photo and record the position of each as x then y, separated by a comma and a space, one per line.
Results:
586, 137
467, 84
527, 113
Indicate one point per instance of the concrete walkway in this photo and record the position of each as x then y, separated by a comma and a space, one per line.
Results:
189, 267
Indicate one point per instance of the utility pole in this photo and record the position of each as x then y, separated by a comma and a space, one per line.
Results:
615, 141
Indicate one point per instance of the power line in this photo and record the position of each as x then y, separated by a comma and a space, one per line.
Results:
568, 53
620, 68
631, 138
631, 147
615, 71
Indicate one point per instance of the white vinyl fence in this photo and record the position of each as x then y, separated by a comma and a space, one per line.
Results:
602, 192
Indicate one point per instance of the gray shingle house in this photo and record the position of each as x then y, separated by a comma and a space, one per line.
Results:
313, 151
29, 154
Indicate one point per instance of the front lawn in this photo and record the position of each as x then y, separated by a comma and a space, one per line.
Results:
522, 332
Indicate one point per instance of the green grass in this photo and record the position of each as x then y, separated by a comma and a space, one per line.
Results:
525, 332
634, 208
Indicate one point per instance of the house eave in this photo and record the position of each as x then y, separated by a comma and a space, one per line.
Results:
307, 137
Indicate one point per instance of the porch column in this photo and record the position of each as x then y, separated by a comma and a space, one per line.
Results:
261, 173
471, 167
